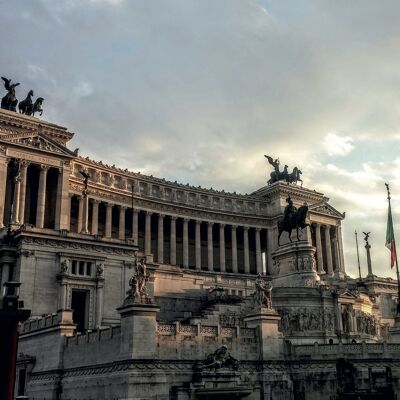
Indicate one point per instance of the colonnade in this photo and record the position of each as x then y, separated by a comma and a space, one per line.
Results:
329, 248
213, 235
17, 199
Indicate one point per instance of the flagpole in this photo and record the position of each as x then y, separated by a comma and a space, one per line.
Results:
358, 255
397, 264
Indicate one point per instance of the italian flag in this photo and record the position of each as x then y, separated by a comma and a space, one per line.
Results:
390, 243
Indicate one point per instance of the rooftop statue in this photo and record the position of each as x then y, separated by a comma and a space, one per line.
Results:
292, 218
277, 175
9, 101
27, 106
138, 283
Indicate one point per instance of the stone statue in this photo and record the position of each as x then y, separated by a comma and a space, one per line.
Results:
9, 101
64, 266
293, 218
221, 358
99, 270
347, 317
138, 282
284, 175
263, 293
27, 107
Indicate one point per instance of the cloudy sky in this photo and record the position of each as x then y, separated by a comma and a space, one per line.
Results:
200, 90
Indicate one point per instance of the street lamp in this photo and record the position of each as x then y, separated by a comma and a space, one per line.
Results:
11, 313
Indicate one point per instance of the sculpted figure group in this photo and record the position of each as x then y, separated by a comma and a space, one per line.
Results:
138, 283
26, 106
263, 293
277, 175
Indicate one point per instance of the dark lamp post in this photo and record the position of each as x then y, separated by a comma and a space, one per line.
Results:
11, 314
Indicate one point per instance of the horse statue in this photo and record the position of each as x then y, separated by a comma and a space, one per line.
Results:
26, 106
9, 101
292, 219
294, 176
37, 106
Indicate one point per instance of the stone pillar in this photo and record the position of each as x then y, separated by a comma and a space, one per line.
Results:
210, 249
121, 226
41, 202
320, 260
328, 247
85, 213
5, 275
3, 185
198, 245
63, 199
80, 214
22, 196
99, 301
246, 250
160, 239
15, 204
63, 295
147, 233
222, 264
369, 264
108, 228
135, 215
234, 250
258, 252
185, 243
173, 241
138, 331
95, 217
270, 249
340, 244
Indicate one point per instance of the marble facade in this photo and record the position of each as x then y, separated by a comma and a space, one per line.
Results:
204, 249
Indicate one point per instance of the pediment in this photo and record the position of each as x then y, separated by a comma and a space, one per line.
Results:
348, 294
36, 141
326, 209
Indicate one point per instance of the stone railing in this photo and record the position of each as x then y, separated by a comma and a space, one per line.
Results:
60, 318
94, 336
363, 349
177, 328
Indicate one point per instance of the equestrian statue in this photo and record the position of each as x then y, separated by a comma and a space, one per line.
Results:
277, 175
27, 107
292, 218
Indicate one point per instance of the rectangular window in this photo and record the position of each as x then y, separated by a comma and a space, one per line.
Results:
81, 267
88, 268
21, 381
73, 268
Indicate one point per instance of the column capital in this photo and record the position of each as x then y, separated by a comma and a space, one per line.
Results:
221, 226
257, 228
24, 163
44, 168
246, 228
149, 213
173, 218
186, 220
122, 208
327, 227
108, 204
234, 227
209, 223
96, 201
161, 216
198, 221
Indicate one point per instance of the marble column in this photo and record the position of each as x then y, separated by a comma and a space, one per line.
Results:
99, 301
222, 263
198, 245
15, 204
5, 275
85, 213
135, 216
246, 250
62, 220
328, 247
210, 249
173, 241
320, 260
340, 245
95, 217
80, 214
185, 243
41, 202
234, 250
147, 233
68, 212
22, 195
258, 252
270, 249
3, 184
108, 228
160, 239
121, 225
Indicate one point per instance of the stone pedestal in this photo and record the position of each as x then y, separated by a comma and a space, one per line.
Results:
294, 265
138, 330
271, 340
